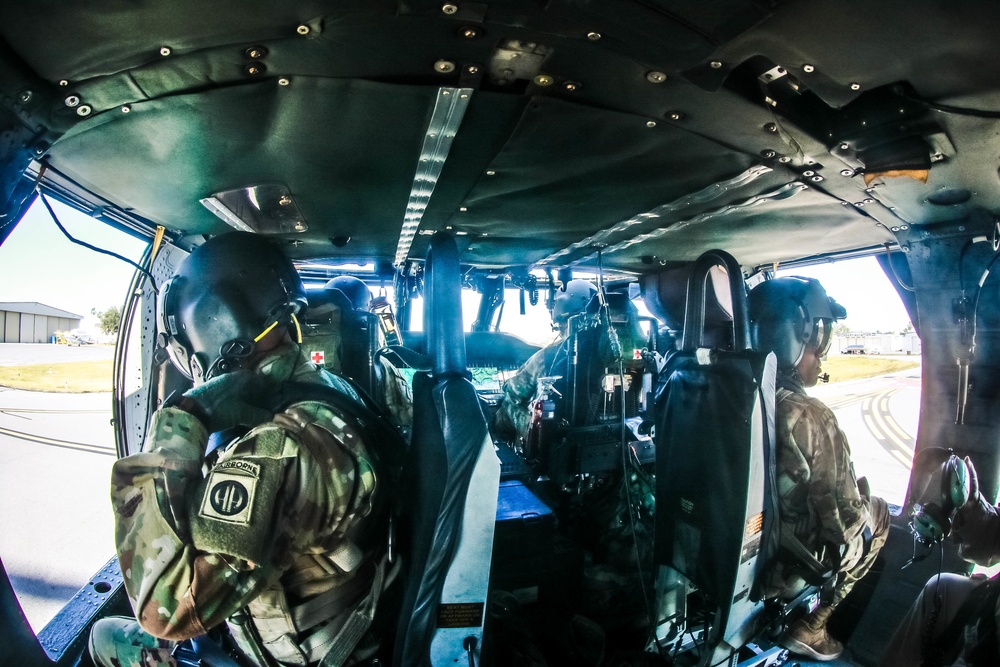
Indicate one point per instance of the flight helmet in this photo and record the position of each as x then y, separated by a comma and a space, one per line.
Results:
354, 289
572, 300
224, 298
791, 315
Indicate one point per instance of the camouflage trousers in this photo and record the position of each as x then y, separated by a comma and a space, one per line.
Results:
118, 641
879, 525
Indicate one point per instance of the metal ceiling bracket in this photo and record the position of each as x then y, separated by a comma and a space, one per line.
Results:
449, 110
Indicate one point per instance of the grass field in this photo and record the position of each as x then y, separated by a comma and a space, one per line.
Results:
90, 376
78, 377
856, 367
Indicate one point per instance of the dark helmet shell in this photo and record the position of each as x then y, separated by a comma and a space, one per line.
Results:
223, 296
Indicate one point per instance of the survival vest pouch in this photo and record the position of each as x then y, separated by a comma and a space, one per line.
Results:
976, 624
331, 645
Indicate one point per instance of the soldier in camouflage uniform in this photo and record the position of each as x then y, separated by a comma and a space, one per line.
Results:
285, 535
931, 632
514, 415
824, 515
347, 293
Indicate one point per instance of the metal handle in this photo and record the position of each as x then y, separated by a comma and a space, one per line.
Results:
694, 307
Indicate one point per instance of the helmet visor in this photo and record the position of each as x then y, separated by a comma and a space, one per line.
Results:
822, 336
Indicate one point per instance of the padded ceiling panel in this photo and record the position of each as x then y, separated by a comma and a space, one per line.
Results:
165, 155
569, 171
629, 105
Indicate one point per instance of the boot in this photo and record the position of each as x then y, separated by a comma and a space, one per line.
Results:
808, 637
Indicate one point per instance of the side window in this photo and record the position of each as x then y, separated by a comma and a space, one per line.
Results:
874, 372
58, 317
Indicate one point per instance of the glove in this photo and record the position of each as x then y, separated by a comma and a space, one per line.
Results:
973, 481
231, 400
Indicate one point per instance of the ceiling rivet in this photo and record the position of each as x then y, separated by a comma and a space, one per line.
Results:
844, 203
126, 108
255, 69
715, 64
284, 200
675, 115
472, 69
449, 8
543, 80
844, 147
571, 86
656, 77
816, 179
464, 96
808, 172
25, 96
72, 101
593, 36
768, 153
83, 110
444, 66
808, 69
784, 159
283, 81
491, 173
650, 123
855, 86
869, 201
470, 32
771, 127
895, 229
846, 172
63, 82
463, 209
904, 227
303, 29
165, 51
255, 52
859, 204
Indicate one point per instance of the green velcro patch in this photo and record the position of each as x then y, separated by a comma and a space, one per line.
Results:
229, 492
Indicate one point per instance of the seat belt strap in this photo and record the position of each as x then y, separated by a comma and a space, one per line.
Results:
334, 651
317, 609
794, 545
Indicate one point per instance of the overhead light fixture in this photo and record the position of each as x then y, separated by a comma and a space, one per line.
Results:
263, 209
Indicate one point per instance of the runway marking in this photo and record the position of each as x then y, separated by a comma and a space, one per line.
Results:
65, 444
885, 429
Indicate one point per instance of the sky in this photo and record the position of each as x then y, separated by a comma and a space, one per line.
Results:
37, 263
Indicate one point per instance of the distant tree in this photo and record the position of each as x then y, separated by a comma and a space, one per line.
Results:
841, 328
908, 328
108, 319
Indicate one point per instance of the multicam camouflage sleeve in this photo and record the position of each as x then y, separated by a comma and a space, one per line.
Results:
514, 416
397, 394
194, 549
833, 489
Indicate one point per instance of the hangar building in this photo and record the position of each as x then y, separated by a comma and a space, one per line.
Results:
32, 322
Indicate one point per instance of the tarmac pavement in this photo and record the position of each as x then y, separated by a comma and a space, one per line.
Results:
21, 354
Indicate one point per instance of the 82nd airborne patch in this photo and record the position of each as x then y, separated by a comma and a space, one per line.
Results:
230, 491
